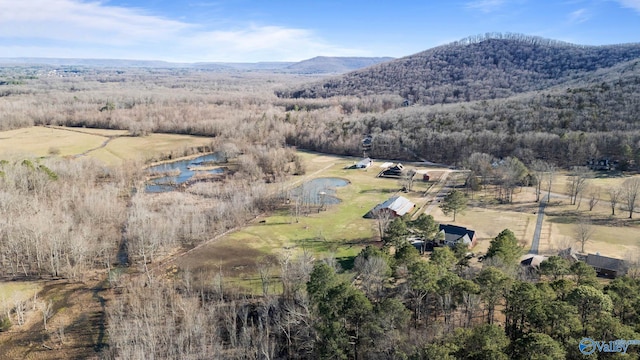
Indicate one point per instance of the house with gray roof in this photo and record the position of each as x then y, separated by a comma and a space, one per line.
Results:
607, 266
455, 234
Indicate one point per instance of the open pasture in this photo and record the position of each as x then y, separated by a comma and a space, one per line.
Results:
112, 147
38, 141
340, 230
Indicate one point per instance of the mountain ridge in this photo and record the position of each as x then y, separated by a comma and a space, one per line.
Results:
317, 65
476, 68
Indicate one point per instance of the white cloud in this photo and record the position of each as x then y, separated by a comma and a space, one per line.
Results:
53, 28
486, 6
632, 4
579, 16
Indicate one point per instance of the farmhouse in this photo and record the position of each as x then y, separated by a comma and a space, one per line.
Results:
396, 206
457, 234
606, 266
600, 164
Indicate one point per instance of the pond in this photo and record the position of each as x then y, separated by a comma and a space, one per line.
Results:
320, 191
179, 172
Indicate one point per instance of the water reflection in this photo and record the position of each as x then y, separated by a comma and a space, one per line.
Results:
179, 172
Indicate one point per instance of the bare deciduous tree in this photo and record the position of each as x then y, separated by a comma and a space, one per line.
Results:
46, 308
383, 219
630, 193
615, 193
577, 182
594, 196
584, 231
550, 174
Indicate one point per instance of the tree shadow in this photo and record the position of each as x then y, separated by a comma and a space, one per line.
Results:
378, 191
615, 174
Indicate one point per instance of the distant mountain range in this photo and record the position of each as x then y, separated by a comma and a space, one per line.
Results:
318, 65
478, 68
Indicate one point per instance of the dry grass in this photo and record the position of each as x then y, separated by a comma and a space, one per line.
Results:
39, 141
614, 236
602, 180
75, 329
36, 141
146, 148
13, 291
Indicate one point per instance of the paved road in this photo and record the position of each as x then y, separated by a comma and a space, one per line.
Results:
536, 235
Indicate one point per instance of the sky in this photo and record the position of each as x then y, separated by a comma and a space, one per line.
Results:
284, 30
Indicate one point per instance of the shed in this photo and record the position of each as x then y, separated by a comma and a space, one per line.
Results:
397, 206
364, 163
394, 171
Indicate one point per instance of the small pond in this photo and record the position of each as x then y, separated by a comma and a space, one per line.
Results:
179, 172
320, 191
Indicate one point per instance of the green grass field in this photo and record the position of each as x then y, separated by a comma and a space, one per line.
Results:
340, 230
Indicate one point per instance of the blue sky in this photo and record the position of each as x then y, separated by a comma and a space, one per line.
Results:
283, 30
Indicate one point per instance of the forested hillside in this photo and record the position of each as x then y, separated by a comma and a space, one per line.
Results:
596, 115
477, 68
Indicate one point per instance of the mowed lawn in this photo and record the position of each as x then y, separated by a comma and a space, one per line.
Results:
339, 231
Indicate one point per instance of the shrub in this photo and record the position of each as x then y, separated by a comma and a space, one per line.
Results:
5, 323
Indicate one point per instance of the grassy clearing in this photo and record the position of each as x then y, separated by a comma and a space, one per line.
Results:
145, 148
488, 223
614, 236
38, 141
602, 181
13, 291
340, 230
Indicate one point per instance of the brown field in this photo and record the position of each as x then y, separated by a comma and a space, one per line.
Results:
112, 147
615, 236
39, 141
147, 148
